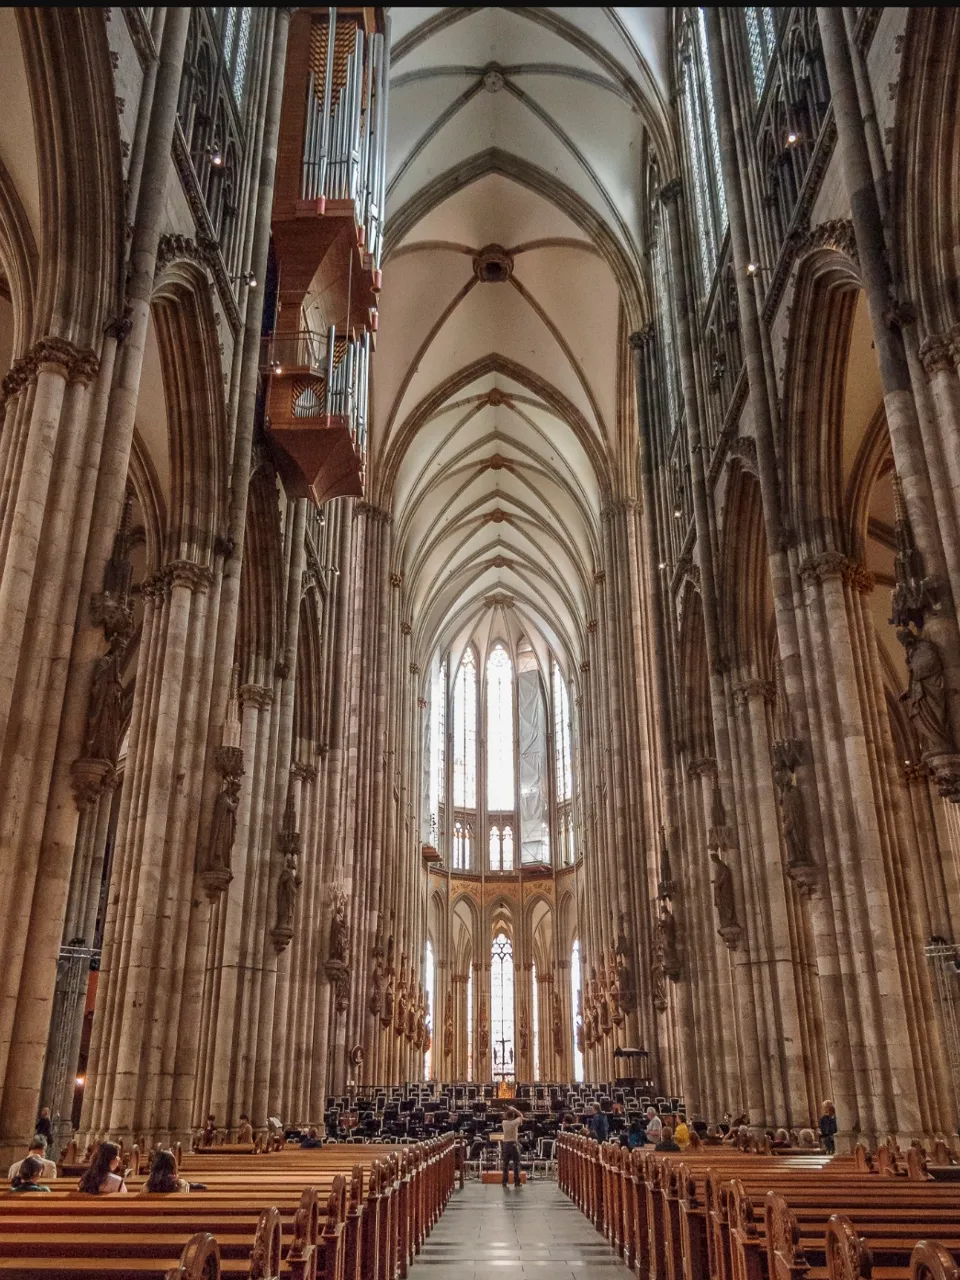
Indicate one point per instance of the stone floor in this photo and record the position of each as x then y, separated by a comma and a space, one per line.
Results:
533, 1231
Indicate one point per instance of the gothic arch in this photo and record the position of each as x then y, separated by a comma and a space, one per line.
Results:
816, 359
193, 390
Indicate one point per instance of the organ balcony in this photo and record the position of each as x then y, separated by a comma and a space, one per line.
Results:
317, 392
327, 241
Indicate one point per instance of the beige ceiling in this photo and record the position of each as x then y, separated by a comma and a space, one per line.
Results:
503, 417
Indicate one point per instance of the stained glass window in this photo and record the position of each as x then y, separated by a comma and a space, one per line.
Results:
761, 43
462, 845
429, 972
500, 770
465, 733
535, 1018
501, 1007
501, 848
575, 990
240, 61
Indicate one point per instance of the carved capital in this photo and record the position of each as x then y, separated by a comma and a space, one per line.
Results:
936, 356
229, 761
396, 579
119, 327
705, 767
89, 779
642, 338
75, 364
256, 695
303, 771
829, 564
749, 689
189, 574
670, 191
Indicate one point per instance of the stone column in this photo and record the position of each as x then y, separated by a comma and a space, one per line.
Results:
910, 452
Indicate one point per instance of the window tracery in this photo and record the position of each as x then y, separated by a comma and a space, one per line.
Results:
465, 733
703, 142
500, 763
761, 44
502, 1007
535, 1019
576, 989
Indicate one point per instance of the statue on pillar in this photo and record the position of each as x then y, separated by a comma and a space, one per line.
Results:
448, 1025
338, 949
557, 1024
288, 885
669, 952
376, 987
926, 697
725, 901
105, 711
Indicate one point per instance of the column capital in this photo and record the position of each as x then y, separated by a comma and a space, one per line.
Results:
643, 338
256, 695
670, 192
704, 767
754, 688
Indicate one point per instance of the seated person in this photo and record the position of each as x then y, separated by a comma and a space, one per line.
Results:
245, 1129
781, 1141
210, 1131
666, 1142
637, 1136
310, 1140
101, 1179
713, 1137
681, 1134
808, 1140
163, 1175
29, 1171
37, 1150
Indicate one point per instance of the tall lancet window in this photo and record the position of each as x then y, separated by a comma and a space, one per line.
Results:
533, 759
703, 144
501, 1007
563, 763
500, 783
576, 989
429, 979
465, 734
535, 1019
436, 776
761, 42
469, 1018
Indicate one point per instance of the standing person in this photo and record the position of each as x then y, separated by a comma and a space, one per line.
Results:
599, 1125
44, 1125
101, 1179
828, 1128
511, 1146
654, 1125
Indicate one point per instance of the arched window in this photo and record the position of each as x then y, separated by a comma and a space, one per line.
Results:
429, 975
465, 733
703, 143
469, 1017
500, 780
575, 994
462, 845
501, 1007
236, 46
761, 43
535, 1018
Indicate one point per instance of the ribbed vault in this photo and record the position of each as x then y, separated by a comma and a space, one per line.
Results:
514, 273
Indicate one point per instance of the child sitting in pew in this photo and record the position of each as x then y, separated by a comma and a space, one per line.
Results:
26, 1180
163, 1175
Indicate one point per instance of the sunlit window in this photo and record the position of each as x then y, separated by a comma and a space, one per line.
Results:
462, 845
236, 46
437, 776
761, 43
501, 848
500, 780
575, 989
535, 1016
429, 973
561, 736
501, 1007
465, 733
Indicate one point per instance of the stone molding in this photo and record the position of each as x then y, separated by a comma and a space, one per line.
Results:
834, 564
642, 338
303, 771
940, 352
704, 767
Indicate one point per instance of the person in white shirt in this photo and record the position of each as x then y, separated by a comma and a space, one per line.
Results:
654, 1126
510, 1152
37, 1149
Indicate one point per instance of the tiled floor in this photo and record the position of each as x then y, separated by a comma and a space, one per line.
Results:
534, 1231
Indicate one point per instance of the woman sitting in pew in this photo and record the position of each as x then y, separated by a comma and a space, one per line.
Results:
163, 1174
101, 1179
26, 1180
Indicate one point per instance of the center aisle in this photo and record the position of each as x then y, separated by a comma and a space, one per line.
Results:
536, 1231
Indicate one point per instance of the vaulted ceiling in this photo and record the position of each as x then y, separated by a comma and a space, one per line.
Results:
503, 414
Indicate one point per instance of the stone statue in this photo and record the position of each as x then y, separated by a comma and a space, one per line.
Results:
223, 828
523, 1037
483, 1030
723, 897
400, 1021
794, 819
557, 1025
105, 712
338, 949
413, 1004
669, 954
389, 1003
925, 698
376, 988
287, 887
448, 1026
